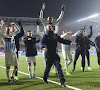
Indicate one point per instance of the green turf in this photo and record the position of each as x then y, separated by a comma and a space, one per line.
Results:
89, 80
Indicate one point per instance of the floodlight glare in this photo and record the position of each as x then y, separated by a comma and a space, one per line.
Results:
92, 16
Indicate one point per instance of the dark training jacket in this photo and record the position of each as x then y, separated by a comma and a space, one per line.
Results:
83, 43
30, 46
49, 41
17, 37
97, 41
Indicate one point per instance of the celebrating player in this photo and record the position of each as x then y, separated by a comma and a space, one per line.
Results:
31, 52
10, 49
49, 44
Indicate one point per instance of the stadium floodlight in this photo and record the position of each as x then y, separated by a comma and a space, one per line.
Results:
92, 16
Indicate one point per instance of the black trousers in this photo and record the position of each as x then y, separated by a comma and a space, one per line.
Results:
88, 56
16, 73
77, 53
98, 55
49, 62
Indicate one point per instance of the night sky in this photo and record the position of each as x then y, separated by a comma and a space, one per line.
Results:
75, 9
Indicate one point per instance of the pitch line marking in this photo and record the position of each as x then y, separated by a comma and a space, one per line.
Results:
74, 88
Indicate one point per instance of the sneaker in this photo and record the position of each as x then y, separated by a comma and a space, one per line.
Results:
56, 75
16, 78
33, 75
30, 76
9, 81
73, 70
68, 73
89, 68
99, 67
45, 81
13, 78
81, 68
63, 84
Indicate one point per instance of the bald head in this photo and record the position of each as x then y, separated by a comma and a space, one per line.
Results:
49, 27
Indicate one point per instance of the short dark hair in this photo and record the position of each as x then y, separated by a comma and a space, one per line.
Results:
29, 31
7, 26
98, 31
64, 31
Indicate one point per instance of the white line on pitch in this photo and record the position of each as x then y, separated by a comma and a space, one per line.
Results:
48, 80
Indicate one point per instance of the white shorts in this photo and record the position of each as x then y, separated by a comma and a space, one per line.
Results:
31, 59
11, 59
67, 55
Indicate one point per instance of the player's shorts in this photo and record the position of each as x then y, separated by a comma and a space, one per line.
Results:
31, 59
67, 55
11, 59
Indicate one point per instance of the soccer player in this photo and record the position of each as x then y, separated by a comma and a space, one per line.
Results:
17, 37
97, 41
88, 46
31, 52
66, 50
54, 70
49, 44
50, 19
81, 42
10, 49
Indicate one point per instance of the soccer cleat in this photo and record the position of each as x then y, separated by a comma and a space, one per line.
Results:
68, 73
45, 81
63, 84
56, 75
9, 81
30, 76
13, 78
89, 68
83, 70
33, 75
16, 78
73, 70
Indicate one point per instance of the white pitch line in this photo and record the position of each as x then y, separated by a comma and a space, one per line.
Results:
48, 80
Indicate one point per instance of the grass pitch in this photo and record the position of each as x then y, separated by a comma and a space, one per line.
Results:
89, 80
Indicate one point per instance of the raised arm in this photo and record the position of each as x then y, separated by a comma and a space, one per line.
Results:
44, 22
38, 31
1, 34
74, 35
57, 28
60, 16
2, 23
17, 30
91, 31
25, 40
64, 41
21, 33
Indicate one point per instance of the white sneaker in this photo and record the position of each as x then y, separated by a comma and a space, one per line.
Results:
68, 73
89, 68
99, 67
81, 68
